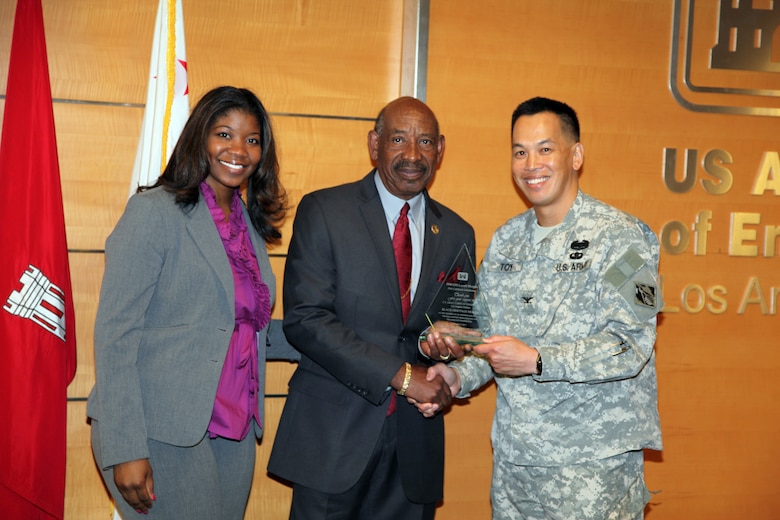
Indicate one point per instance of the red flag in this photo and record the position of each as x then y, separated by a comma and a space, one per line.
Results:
37, 330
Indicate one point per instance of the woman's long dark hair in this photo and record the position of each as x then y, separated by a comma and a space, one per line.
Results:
188, 166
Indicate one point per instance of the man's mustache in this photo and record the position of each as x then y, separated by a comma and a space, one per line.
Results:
411, 165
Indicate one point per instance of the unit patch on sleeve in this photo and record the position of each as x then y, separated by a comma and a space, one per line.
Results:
645, 294
635, 284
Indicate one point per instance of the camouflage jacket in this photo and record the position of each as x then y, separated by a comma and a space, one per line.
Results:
586, 297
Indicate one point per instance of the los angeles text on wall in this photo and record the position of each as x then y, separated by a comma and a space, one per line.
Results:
748, 235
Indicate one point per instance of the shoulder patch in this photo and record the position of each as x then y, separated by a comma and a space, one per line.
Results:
636, 284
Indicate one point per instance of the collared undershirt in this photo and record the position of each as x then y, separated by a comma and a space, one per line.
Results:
392, 207
541, 232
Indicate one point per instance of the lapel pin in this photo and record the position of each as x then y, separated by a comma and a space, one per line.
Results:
435, 229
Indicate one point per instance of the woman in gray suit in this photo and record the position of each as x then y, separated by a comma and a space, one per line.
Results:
184, 309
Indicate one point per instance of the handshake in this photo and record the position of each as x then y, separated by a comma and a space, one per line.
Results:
431, 389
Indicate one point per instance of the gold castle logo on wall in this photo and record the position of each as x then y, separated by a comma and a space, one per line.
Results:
726, 56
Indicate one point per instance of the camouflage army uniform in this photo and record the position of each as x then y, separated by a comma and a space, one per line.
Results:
586, 297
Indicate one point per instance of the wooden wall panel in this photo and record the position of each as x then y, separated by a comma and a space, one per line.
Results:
269, 497
98, 50
85, 495
338, 57
86, 270
468, 457
335, 57
316, 153
96, 148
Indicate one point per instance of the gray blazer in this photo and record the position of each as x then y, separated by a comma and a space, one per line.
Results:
164, 322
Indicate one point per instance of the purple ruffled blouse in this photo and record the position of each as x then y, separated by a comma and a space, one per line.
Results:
238, 390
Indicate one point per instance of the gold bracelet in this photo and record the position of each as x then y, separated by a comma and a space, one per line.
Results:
407, 379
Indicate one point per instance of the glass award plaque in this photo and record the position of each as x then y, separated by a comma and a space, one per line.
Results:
459, 300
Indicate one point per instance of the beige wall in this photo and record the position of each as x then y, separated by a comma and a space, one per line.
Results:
717, 355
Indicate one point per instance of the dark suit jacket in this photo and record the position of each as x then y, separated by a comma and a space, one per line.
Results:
166, 314
343, 313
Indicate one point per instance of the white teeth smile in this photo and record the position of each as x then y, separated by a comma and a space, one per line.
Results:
232, 166
536, 180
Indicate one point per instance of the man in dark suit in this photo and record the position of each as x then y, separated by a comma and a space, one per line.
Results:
352, 447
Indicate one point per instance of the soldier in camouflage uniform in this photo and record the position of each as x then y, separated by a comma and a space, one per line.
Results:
571, 289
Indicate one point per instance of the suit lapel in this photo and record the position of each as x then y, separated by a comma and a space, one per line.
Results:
433, 229
374, 217
205, 235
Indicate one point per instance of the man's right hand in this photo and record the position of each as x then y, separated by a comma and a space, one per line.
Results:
440, 345
449, 376
435, 392
424, 390
135, 483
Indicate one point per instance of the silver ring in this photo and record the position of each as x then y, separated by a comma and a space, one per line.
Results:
445, 358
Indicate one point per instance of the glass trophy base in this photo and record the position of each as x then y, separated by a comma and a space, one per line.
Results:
462, 339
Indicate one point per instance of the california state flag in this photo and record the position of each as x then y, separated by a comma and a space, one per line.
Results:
167, 96
37, 330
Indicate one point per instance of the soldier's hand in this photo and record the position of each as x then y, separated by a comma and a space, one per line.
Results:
508, 356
